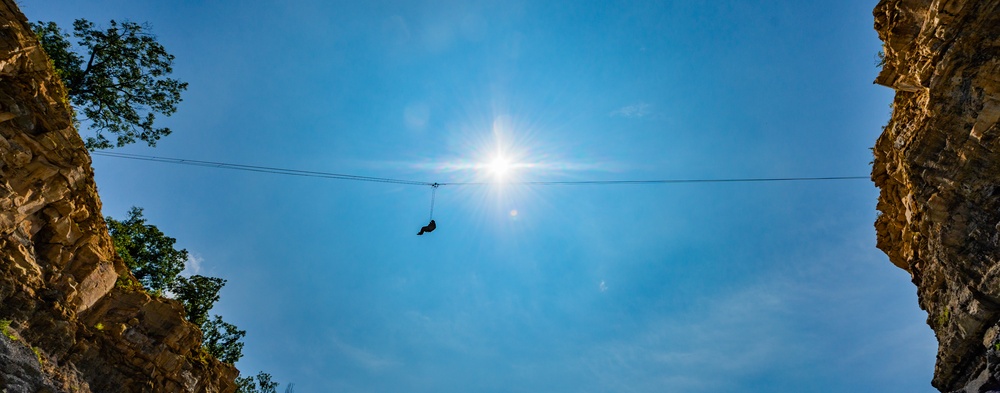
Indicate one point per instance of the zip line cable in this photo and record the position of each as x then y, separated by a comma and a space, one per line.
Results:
662, 181
434, 188
340, 176
262, 169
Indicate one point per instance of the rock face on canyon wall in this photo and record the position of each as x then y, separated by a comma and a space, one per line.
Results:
62, 287
937, 164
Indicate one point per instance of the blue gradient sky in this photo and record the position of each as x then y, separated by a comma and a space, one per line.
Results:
642, 288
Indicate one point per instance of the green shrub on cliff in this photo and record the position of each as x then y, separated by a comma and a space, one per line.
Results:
148, 253
199, 294
5, 329
942, 318
152, 258
223, 340
263, 384
38, 355
880, 59
119, 80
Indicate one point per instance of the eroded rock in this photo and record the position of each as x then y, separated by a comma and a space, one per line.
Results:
937, 165
58, 267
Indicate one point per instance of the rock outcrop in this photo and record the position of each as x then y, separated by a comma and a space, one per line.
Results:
937, 164
22, 372
67, 294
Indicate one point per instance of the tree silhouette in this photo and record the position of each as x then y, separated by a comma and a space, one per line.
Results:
262, 385
199, 294
147, 252
118, 82
152, 258
222, 339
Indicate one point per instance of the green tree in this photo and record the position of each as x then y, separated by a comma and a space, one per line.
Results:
222, 340
122, 83
199, 294
263, 384
152, 258
147, 252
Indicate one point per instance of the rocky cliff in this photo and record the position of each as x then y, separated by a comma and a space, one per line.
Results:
68, 296
937, 164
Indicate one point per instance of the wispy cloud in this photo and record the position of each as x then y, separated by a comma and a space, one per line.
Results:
603, 287
192, 265
633, 111
683, 354
784, 325
365, 358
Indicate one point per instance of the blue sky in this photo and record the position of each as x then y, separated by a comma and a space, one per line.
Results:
627, 288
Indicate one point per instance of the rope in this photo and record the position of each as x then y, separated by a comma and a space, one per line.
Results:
434, 188
262, 169
660, 181
339, 176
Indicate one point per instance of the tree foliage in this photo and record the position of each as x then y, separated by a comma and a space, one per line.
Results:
152, 258
222, 340
119, 82
199, 294
263, 384
147, 252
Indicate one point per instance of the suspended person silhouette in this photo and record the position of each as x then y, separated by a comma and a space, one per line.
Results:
432, 226
427, 229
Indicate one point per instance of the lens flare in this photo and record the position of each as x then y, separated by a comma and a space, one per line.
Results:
499, 167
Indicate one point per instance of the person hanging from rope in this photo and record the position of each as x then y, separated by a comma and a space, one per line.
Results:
432, 226
427, 229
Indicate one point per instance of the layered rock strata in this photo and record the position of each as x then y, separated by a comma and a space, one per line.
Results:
937, 164
65, 291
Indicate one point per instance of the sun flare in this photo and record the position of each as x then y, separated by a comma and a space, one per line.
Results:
499, 167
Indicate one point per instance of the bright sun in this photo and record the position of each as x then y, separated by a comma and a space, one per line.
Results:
500, 166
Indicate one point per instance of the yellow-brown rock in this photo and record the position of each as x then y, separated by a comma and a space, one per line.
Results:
58, 267
937, 164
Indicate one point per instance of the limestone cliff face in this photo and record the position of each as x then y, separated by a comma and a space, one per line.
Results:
937, 164
58, 268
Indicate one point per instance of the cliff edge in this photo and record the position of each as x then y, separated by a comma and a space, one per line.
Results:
937, 164
67, 295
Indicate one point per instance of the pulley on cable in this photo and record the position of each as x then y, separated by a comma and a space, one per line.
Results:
432, 226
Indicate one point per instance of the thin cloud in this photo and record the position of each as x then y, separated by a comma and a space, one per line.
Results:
633, 111
193, 265
745, 328
363, 357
